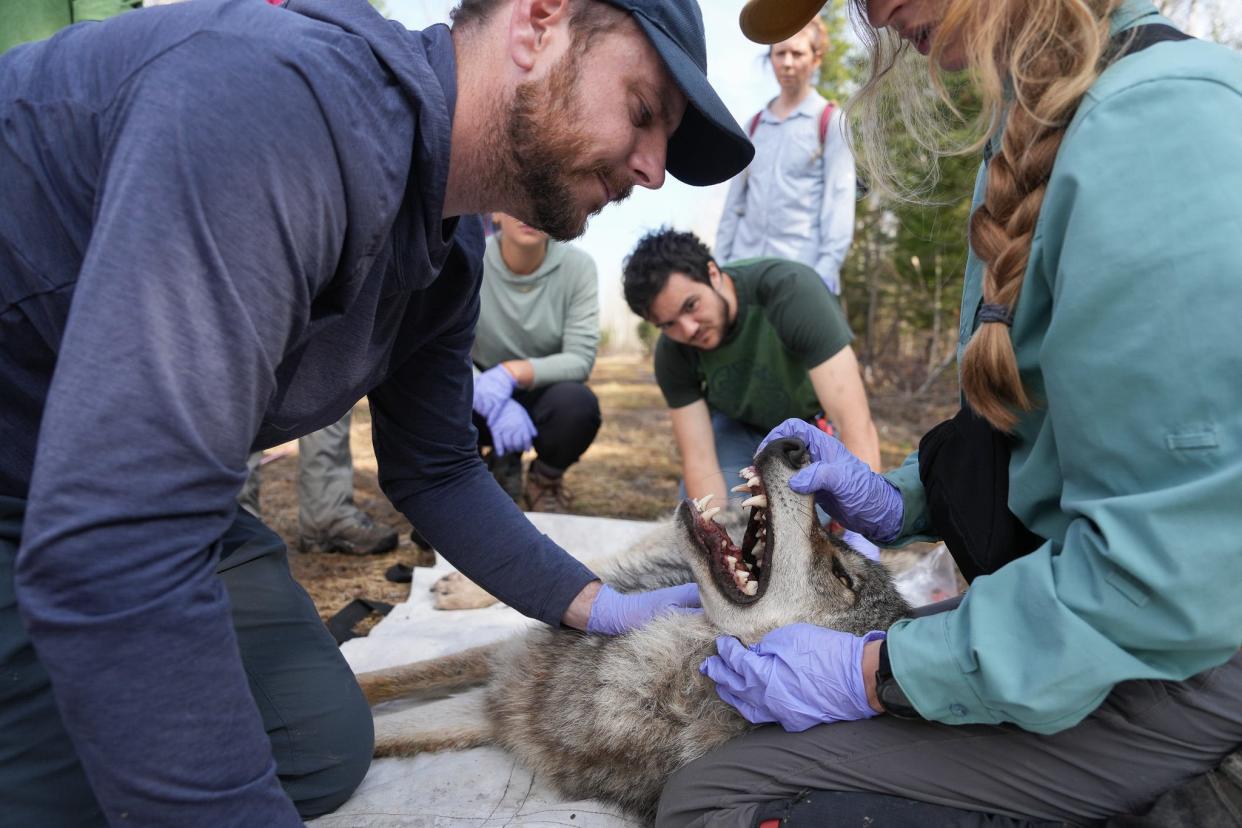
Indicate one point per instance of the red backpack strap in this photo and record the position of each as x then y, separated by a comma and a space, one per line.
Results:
754, 124
824, 118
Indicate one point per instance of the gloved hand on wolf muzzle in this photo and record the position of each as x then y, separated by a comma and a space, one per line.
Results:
615, 612
797, 676
844, 486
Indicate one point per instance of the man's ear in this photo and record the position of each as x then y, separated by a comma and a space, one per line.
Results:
713, 275
534, 29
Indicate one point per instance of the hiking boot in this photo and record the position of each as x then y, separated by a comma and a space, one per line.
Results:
358, 536
507, 469
545, 494
424, 554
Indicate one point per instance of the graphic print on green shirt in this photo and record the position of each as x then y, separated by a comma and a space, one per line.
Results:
787, 323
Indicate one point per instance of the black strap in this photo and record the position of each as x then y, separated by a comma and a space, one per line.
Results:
341, 625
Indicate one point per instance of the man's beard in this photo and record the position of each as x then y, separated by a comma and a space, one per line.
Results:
546, 151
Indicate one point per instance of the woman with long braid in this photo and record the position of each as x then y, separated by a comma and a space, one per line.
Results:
1090, 488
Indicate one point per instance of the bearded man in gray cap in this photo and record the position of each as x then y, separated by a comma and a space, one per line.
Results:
221, 224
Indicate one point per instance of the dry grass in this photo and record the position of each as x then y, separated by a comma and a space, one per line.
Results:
631, 471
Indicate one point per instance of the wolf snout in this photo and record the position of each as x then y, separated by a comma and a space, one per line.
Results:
792, 452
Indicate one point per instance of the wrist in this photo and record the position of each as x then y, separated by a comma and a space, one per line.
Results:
892, 699
870, 666
578, 615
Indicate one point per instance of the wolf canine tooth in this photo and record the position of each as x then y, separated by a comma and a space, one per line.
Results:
708, 514
757, 500
742, 487
702, 502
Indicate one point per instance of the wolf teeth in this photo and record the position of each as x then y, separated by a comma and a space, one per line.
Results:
711, 513
751, 588
758, 500
702, 502
745, 487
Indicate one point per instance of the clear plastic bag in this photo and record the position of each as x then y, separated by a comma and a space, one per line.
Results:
933, 578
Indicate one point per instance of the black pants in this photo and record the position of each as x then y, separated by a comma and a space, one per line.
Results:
313, 711
566, 415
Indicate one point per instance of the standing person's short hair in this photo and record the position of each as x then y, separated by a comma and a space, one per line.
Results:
660, 254
816, 28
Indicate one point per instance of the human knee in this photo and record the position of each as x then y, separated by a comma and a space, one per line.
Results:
575, 402
344, 743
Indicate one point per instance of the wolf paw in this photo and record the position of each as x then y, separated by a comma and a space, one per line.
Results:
455, 591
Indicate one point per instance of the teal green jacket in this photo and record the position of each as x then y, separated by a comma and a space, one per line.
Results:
1129, 332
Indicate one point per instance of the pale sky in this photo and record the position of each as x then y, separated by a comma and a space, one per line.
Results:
736, 69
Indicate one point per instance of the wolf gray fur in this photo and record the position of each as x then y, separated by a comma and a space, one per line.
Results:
611, 718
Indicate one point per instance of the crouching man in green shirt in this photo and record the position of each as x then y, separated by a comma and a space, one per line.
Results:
741, 349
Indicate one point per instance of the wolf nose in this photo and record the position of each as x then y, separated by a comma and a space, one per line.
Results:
792, 450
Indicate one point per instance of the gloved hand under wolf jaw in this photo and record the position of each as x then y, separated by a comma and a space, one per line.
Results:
615, 612
511, 428
844, 486
797, 676
492, 389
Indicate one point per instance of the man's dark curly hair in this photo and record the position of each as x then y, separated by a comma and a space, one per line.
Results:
660, 254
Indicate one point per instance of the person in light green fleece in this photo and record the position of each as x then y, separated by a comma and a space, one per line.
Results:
534, 347
1092, 671
25, 20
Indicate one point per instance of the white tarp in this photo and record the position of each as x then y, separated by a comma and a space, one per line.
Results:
482, 787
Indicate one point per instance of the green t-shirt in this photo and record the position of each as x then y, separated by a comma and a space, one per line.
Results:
24, 20
787, 323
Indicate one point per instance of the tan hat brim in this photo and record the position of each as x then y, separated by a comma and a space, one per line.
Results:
771, 21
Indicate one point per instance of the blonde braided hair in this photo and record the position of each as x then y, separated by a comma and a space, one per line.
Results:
1032, 61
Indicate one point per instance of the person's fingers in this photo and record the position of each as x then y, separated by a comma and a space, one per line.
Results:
753, 669
817, 477
722, 674
755, 714
861, 545
684, 595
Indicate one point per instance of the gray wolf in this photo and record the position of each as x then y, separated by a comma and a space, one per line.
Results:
612, 718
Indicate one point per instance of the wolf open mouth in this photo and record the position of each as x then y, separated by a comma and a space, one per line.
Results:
741, 573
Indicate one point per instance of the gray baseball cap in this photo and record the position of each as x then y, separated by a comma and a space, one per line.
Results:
709, 146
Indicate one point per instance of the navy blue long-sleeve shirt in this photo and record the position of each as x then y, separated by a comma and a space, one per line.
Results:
221, 225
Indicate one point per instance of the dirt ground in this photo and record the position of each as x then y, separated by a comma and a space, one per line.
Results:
630, 471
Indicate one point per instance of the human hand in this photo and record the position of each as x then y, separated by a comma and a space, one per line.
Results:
615, 612
861, 545
492, 389
844, 486
798, 676
511, 428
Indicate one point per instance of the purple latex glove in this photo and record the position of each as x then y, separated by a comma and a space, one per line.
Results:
492, 389
615, 612
844, 486
798, 676
861, 545
511, 428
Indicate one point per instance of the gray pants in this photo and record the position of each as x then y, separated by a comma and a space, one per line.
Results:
1146, 738
325, 481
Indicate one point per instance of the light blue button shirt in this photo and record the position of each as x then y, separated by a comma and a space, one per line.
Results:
796, 199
